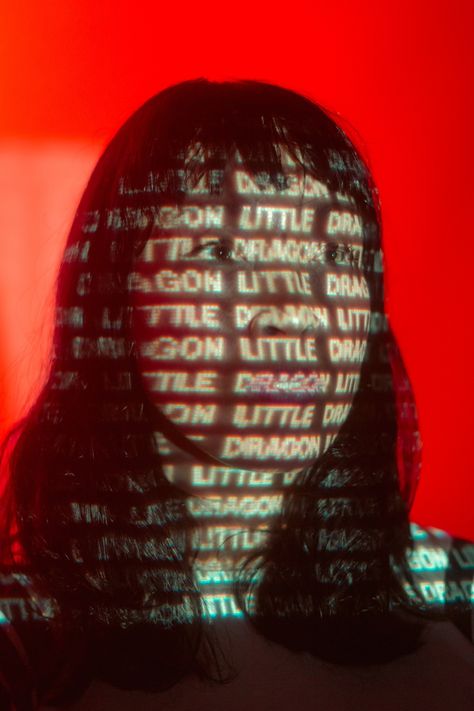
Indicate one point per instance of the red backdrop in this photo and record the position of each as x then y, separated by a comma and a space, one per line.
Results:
401, 73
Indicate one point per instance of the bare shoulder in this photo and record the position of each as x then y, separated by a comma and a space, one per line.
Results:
443, 568
438, 676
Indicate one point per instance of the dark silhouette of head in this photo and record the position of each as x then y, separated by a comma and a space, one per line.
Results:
105, 534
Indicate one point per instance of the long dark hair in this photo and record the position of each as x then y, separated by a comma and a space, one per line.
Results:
83, 470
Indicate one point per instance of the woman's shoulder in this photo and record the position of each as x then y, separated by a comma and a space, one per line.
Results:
443, 568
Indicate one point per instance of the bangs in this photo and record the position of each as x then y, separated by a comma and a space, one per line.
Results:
267, 146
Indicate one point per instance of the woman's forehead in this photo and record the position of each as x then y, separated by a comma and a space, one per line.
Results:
239, 188
196, 152
284, 176
200, 174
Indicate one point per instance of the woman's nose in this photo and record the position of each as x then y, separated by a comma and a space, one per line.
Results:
274, 321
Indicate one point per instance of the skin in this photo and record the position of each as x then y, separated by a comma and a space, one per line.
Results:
278, 329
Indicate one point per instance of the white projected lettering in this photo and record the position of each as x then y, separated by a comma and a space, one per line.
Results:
347, 349
190, 348
331, 507
192, 216
228, 476
259, 249
424, 558
157, 514
83, 283
113, 322
343, 571
237, 299
353, 287
353, 319
152, 183
309, 382
105, 346
90, 221
346, 383
198, 414
210, 573
220, 605
120, 547
190, 315
14, 609
316, 316
172, 249
272, 217
167, 614
264, 447
342, 477
464, 556
191, 281
273, 282
166, 217
223, 477
130, 218
344, 223
273, 415
277, 249
77, 252
177, 248
249, 315
297, 186
438, 591
242, 506
335, 414
278, 349
231, 538
90, 513
287, 158
182, 381
64, 379
352, 540
328, 440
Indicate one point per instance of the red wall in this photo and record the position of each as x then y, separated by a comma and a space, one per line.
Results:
401, 73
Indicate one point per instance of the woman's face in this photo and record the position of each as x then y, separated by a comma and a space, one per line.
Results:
251, 317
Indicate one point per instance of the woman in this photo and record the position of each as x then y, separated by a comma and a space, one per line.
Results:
226, 446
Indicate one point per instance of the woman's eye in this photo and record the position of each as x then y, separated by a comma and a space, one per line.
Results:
219, 250
340, 254
333, 253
